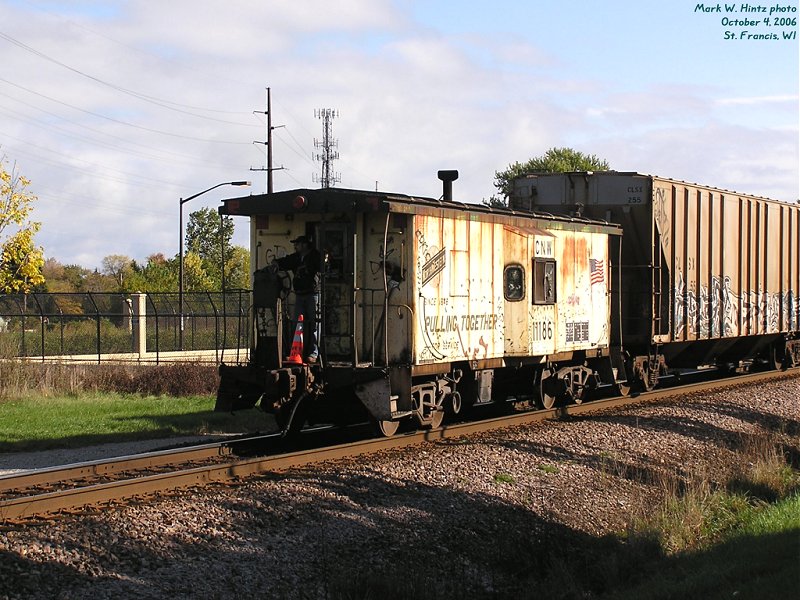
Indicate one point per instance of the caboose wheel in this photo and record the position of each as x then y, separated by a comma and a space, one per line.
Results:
437, 416
387, 428
548, 389
548, 401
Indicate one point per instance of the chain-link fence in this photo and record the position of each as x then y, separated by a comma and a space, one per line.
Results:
113, 326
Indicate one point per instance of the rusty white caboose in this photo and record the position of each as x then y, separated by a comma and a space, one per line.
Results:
426, 306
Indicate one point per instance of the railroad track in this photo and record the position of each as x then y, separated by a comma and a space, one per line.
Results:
72, 487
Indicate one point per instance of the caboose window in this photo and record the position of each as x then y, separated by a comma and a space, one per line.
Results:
514, 283
544, 281
333, 248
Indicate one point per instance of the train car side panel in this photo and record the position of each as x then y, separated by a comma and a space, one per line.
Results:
458, 296
490, 290
583, 309
731, 260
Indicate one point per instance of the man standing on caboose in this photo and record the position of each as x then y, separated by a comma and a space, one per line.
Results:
304, 264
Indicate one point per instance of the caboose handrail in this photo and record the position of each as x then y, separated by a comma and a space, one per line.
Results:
385, 324
371, 304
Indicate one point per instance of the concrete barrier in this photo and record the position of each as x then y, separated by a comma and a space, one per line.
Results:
229, 355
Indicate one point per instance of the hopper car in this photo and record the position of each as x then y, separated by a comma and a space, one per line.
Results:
711, 277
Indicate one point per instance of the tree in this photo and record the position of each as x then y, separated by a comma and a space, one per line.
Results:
21, 260
195, 275
204, 239
119, 267
63, 278
158, 275
66, 278
237, 268
555, 160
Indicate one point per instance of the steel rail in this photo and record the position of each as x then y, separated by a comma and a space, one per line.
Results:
71, 499
105, 467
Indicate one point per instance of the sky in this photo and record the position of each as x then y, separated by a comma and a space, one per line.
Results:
116, 110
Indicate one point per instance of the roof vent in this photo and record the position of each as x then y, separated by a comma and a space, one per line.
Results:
447, 177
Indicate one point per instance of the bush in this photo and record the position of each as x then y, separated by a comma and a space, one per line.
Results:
175, 379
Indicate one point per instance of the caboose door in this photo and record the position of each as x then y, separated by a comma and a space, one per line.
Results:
336, 291
516, 291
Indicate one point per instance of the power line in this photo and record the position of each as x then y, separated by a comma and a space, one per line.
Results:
207, 75
298, 148
168, 104
118, 121
117, 144
90, 168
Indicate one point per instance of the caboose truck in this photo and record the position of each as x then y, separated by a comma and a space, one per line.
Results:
711, 277
426, 306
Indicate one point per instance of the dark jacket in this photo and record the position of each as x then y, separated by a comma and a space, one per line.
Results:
305, 270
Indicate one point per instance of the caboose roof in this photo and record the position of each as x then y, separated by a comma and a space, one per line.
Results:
341, 200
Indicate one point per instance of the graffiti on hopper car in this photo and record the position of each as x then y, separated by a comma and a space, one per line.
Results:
713, 312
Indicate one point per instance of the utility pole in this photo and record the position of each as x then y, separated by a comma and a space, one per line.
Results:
269, 169
328, 154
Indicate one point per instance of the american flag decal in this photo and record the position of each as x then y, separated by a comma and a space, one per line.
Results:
596, 271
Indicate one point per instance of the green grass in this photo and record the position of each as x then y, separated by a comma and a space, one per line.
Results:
549, 469
757, 557
39, 423
737, 540
503, 478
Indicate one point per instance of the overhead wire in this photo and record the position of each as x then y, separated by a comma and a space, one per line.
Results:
158, 57
168, 104
119, 121
96, 170
165, 155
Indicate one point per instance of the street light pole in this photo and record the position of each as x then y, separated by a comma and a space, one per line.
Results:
180, 246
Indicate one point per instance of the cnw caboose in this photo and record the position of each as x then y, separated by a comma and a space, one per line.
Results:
426, 307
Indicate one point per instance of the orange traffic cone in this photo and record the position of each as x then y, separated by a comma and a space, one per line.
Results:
296, 353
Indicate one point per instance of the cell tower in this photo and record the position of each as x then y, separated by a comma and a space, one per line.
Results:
328, 178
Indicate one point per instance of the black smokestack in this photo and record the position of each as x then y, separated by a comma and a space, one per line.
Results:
447, 177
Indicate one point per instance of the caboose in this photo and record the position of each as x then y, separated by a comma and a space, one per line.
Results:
426, 307
711, 276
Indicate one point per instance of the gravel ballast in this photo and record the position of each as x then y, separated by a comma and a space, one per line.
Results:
447, 514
